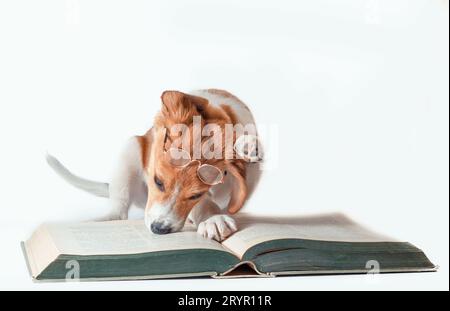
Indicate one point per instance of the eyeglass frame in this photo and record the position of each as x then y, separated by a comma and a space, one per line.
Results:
200, 165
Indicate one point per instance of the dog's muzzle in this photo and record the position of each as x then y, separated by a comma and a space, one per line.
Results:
160, 228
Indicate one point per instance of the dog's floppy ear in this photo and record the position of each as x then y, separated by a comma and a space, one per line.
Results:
239, 191
182, 106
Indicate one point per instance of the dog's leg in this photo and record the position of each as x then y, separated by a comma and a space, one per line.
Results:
126, 181
211, 221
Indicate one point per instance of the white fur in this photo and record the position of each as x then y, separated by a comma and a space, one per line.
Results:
210, 220
242, 112
165, 213
96, 188
128, 186
128, 183
217, 227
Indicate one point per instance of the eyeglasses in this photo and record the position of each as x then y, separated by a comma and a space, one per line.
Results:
208, 174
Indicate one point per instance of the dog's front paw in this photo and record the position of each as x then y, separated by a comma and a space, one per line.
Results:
217, 227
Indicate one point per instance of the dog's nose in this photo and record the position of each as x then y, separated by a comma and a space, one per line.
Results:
160, 228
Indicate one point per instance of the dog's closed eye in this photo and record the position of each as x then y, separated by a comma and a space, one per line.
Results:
159, 184
195, 196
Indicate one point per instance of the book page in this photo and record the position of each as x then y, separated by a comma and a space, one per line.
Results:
253, 230
40, 251
122, 237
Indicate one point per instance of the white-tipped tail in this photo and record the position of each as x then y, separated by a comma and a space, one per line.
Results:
96, 188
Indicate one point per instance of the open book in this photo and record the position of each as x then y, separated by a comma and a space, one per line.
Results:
263, 246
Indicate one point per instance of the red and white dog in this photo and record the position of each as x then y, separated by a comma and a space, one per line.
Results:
176, 184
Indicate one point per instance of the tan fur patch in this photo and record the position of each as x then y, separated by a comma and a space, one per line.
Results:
226, 94
180, 108
145, 144
230, 112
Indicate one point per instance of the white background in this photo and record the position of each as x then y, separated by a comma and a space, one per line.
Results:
358, 90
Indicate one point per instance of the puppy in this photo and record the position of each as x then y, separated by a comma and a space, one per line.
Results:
177, 173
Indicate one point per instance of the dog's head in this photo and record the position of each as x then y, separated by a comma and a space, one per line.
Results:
173, 191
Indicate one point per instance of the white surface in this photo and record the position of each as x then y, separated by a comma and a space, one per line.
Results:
358, 89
